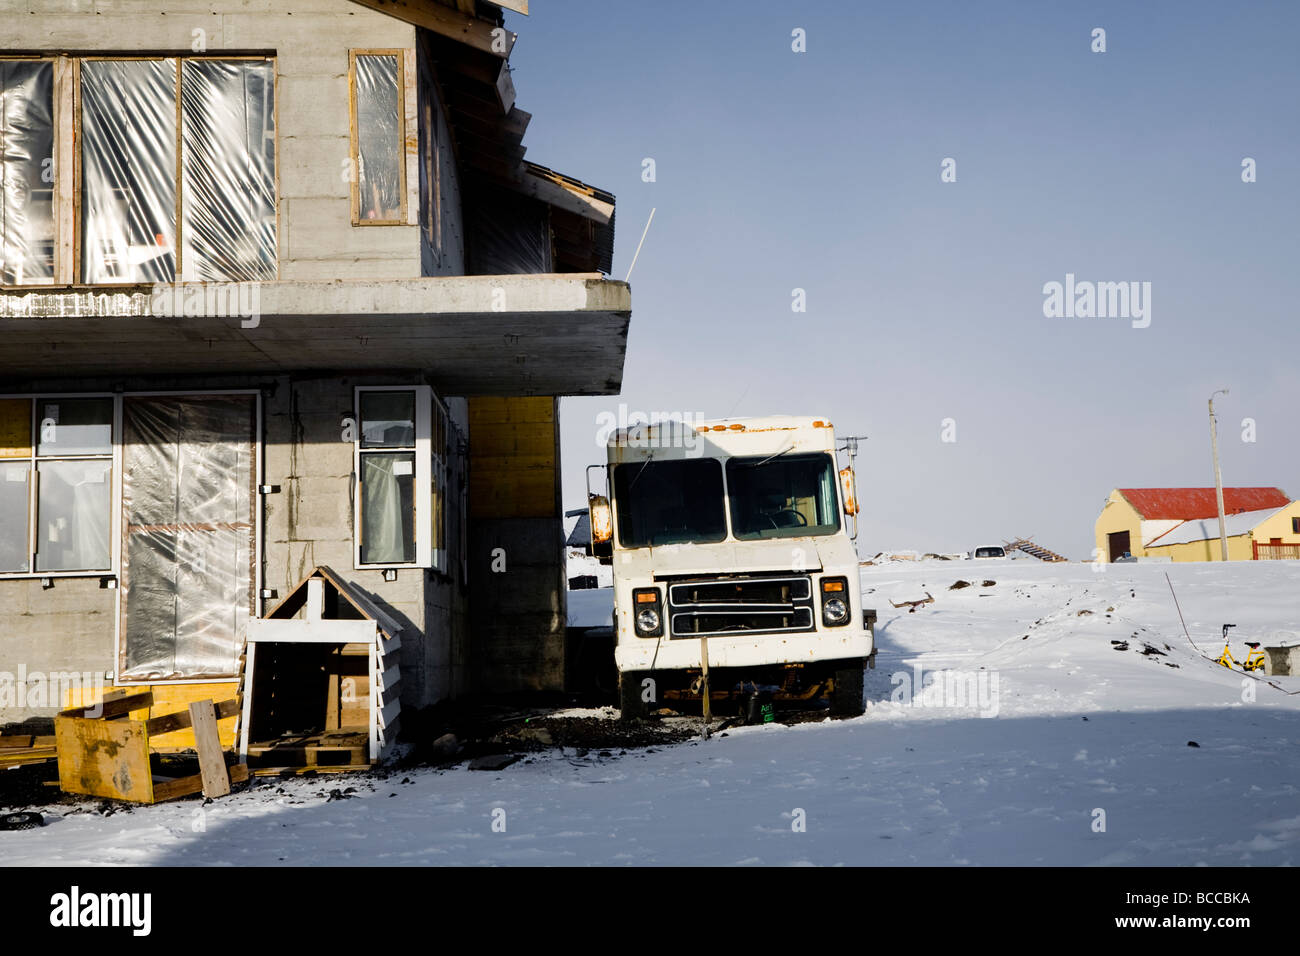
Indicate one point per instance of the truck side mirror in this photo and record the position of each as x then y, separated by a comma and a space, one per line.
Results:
849, 490
602, 526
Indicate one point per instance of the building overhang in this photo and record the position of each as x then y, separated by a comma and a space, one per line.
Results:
475, 335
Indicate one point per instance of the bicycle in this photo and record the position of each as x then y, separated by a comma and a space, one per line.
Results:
1254, 657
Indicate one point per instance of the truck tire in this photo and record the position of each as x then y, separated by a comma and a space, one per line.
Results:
630, 704
847, 698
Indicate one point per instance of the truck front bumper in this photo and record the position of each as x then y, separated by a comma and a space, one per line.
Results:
648, 653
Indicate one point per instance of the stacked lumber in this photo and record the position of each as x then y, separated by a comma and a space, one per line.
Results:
21, 750
1034, 550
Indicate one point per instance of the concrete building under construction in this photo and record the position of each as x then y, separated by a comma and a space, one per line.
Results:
280, 292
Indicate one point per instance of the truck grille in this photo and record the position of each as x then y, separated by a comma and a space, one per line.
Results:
758, 605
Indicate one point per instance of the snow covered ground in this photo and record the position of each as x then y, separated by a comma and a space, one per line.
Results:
1064, 731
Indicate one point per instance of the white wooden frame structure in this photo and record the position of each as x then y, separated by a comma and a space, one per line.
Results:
377, 630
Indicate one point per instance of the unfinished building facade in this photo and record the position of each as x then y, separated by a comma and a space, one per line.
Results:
280, 292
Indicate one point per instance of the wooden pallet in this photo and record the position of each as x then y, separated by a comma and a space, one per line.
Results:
22, 750
300, 771
108, 755
326, 751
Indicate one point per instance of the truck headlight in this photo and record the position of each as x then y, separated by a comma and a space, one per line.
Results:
835, 612
647, 612
835, 602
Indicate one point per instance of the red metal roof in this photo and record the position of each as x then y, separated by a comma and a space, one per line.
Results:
1184, 504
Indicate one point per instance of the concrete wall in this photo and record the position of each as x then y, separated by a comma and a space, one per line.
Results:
445, 661
311, 40
68, 628
72, 626
442, 225
310, 523
516, 545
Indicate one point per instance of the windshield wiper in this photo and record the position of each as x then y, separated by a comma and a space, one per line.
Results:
637, 476
760, 464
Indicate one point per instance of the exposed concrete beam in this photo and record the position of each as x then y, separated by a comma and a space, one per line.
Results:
505, 335
480, 34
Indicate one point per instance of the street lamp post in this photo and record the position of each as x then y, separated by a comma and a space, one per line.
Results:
1218, 478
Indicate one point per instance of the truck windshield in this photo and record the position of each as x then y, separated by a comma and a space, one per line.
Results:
782, 496
669, 502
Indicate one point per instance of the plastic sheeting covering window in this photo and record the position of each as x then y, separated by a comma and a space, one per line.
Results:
128, 171
228, 207
380, 190
188, 560
509, 234
26, 172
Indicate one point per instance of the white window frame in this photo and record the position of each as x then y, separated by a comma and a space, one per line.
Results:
424, 489
115, 485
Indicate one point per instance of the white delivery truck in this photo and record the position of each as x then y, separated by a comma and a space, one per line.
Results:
734, 565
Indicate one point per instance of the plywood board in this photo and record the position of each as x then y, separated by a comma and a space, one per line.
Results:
212, 762
168, 699
104, 758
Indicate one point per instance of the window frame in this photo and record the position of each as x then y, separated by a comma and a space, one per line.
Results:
67, 185
33, 459
422, 523
399, 55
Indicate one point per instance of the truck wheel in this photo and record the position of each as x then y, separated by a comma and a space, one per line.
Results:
630, 704
847, 698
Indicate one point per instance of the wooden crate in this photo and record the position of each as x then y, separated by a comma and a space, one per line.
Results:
108, 755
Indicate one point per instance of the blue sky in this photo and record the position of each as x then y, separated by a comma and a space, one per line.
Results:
820, 170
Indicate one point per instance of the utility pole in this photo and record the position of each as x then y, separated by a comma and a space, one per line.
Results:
1218, 478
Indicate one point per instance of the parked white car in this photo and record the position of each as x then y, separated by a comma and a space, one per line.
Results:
989, 551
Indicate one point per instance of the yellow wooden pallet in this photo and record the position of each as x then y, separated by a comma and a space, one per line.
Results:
21, 750
107, 754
